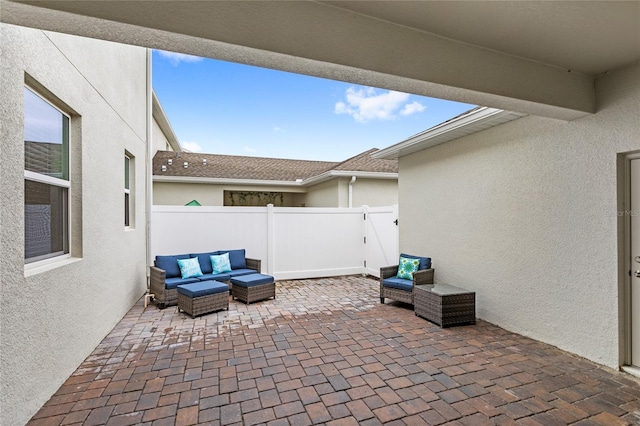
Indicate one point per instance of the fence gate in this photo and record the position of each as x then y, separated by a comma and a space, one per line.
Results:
381, 238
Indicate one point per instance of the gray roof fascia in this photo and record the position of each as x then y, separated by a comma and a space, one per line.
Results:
474, 121
162, 120
225, 181
344, 173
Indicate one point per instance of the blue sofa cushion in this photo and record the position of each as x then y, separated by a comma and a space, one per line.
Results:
239, 272
170, 264
425, 262
236, 258
202, 288
216, 277
174, 282
251, 280
398, 283
205, 261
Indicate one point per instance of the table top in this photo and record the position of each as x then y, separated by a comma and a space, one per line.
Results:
442, 289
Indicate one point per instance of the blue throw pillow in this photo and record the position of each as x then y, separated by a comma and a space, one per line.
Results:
407, 267
220, 263
189, 268
169, 264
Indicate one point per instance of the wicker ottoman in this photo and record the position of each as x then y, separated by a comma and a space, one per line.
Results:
444, 304
253, 287
203, 297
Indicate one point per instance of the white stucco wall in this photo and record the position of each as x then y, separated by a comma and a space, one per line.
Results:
525, 215
375, 192
325, 194
160, 142
53, 317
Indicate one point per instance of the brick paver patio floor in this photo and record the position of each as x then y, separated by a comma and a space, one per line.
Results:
326, 352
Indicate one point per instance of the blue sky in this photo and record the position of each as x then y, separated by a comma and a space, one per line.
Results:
220, 107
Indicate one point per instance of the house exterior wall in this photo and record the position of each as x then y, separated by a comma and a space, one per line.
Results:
525, 214
374, 192
54, 316
325, 194
160, 141
178, 194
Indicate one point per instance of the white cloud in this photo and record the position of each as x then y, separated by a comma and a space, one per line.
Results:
191, 146
176, 58
250, 150
369, 104
412, 108
278, 129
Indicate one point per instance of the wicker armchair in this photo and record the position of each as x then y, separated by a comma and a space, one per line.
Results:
424, 276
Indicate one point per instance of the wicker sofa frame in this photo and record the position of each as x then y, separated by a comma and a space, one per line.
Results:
424, 276
164, 297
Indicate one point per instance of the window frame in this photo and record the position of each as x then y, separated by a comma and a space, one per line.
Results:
32, 176
128, 160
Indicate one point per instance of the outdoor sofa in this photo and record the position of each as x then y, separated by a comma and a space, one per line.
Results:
394, 287
166, 276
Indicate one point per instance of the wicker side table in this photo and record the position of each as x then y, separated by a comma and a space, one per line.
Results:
445, 304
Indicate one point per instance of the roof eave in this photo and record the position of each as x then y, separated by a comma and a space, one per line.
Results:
331, 174
476, 120
225, 181
164, 124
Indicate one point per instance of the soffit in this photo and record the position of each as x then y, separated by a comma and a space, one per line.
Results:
591, 37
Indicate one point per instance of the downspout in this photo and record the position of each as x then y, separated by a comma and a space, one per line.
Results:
148, 168
353, 180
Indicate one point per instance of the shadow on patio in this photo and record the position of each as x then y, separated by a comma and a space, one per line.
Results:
325, 351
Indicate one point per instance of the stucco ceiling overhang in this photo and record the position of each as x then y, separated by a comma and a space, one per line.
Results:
525, 56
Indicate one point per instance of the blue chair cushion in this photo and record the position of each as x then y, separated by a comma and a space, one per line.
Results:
174, 282
170, 264
205, 261
236, 258
216, 277
203, 288
239, 272
399, 283
251, 280
425, 262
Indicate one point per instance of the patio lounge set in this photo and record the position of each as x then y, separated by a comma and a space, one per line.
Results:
200, 283
412, 282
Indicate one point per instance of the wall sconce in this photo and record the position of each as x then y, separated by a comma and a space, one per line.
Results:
186, 164
164, 168
169, 161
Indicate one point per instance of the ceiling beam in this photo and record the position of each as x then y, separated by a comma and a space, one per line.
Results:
324, 41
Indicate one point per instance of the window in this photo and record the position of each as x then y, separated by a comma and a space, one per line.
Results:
127, 191
46, 179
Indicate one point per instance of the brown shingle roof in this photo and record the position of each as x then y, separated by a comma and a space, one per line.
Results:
260, 168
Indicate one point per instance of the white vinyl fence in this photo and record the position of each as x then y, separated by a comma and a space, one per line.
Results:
292, 242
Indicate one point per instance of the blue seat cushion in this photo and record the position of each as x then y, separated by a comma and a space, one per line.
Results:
399, 283
217, 277
425, 262
236, 258
174, 282
170, 264
238, 272
252, 280
203, 288
205, 261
